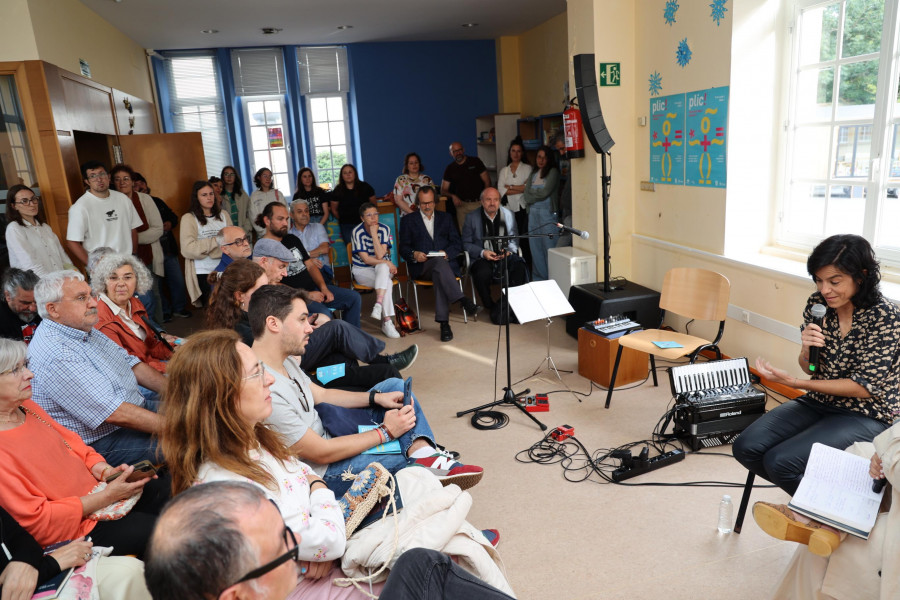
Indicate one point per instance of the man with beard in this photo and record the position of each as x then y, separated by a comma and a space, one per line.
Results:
304, 273
18, 314
463, 181
86, 381
280, 324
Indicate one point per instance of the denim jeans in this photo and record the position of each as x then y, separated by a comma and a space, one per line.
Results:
421, 573
130, 446
541, 219
348, 301
177, 299
391, 462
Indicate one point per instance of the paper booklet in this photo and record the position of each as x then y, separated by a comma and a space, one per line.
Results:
836, 489
538, 300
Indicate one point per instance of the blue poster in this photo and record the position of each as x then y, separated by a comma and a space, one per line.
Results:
667, 139
706, 124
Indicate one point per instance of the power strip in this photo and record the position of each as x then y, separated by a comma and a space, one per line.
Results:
657, 462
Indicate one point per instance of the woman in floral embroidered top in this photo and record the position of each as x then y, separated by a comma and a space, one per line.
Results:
854, 392
214, 430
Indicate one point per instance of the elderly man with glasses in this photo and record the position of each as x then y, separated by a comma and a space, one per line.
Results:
235, 243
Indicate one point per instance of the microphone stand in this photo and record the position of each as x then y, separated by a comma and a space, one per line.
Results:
510, 398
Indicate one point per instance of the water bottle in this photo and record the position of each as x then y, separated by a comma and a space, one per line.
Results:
725, 513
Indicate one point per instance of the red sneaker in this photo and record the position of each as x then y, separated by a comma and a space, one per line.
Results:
451, 471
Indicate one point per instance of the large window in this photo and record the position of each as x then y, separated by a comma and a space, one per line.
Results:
15, 157
196, 104
324, 83
843, 163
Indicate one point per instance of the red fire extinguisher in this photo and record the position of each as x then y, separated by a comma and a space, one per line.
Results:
574, 134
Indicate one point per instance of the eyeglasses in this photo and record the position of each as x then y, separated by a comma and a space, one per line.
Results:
290, 541
33, 200
125, 178
228, 174
82, 298
259, 373
93, 176
239, 241
17, 370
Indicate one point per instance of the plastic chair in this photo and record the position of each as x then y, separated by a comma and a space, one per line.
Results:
693, 293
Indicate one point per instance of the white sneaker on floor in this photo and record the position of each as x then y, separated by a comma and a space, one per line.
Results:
389, 330
376, 311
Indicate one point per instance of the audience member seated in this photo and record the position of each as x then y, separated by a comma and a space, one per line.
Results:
853, 394
429, 232
274, 257
235, 200
199, 228
223, 540
26, 566
234, 244
485, 255
50, 476
331, 342
347, 198
303, 271
406, 187
31, 243
857, 569
18, 311
281, 328
313, 235
214, 426
371, 265
86, 381
541, 202
120, 313
265, 194
316, 197
101, 216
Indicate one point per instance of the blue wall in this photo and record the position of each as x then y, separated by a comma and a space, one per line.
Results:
418, 97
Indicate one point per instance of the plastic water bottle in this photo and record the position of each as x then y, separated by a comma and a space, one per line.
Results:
726, 508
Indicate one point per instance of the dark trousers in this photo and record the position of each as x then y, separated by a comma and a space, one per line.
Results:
339, 337
777, 445
522, 226
485, 272
446, 288
131, 533
422, 574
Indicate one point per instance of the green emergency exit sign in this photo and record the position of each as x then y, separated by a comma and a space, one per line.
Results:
610, 74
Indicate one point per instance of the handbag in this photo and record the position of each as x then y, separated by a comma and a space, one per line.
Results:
365, 494
117, 509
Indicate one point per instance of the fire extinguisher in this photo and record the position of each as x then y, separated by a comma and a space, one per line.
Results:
574, 134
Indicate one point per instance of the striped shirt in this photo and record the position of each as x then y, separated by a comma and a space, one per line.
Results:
363, 242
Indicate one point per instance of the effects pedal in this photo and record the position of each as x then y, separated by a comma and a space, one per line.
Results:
536, 403
562, 433
642, 464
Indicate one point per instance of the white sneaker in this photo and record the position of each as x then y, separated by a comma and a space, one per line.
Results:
376, 311
389, 330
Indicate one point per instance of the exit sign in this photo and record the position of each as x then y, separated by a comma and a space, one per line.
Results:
610, 74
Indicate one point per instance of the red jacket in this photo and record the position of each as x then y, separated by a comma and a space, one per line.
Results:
150, 351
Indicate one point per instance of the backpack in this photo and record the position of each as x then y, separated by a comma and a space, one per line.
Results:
407, 321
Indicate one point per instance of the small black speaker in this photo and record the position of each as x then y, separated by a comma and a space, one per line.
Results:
589, 103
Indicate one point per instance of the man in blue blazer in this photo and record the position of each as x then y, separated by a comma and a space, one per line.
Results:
485, 258
427, 231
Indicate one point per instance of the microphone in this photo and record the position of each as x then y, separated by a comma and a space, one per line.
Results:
818, 313
878, 485
582, 234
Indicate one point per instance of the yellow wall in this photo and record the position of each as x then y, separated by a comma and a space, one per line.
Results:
543, 55
62, 31
509, 89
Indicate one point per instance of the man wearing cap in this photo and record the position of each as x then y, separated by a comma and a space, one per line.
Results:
272, 256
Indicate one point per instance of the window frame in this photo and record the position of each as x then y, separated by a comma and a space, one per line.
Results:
310, 133
286, 136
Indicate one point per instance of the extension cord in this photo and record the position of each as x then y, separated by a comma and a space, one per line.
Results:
657, 462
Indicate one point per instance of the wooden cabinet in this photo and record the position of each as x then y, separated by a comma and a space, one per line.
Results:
494, 133
597, 357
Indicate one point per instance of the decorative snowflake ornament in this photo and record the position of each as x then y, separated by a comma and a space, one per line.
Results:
655, 83
683, 54
718, 11
670, 10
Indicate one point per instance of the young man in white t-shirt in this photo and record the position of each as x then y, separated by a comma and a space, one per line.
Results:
101, 217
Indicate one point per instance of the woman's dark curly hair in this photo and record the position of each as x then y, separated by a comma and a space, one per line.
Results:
853, 255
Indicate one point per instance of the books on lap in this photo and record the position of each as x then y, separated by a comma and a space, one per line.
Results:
836, 489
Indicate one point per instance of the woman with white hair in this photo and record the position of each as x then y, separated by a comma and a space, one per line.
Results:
115, 280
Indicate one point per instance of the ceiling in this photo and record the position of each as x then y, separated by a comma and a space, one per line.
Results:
178, 24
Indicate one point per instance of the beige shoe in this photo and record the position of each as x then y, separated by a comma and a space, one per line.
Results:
389, 330
778, 521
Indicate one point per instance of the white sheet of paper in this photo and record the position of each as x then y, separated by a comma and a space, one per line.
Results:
538, 300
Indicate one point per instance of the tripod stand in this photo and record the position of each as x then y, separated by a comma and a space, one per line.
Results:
509, 396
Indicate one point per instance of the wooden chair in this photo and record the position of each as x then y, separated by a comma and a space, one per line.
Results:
693, 293
745, 500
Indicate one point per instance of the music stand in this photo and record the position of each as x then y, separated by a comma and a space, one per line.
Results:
540, 300
510, 398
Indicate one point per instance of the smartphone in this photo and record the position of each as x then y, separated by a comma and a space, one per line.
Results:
142, 470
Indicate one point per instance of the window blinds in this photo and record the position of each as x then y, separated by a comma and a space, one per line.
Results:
323, 69
258, 72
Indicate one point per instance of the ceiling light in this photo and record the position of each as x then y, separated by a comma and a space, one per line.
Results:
209, 31
345, 26
270, 30
469, 25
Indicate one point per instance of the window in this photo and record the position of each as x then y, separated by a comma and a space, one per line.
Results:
15, 157
196, 104
843, 118
259, 81
324, 82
